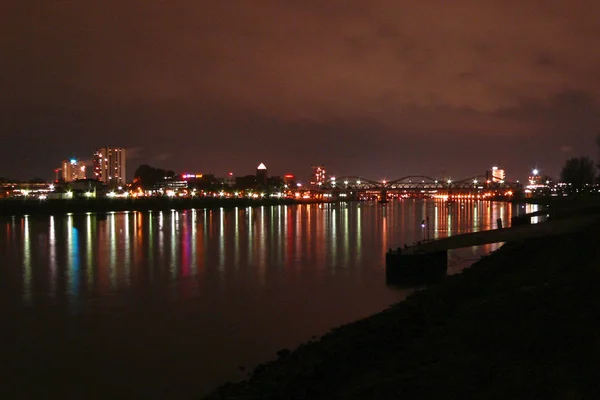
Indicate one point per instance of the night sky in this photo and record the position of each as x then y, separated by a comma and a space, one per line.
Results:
380, 89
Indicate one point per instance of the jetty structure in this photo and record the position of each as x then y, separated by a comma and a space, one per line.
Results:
428, 260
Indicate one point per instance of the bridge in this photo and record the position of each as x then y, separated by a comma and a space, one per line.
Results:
417, 184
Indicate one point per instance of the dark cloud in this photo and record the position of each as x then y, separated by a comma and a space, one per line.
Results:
513, 80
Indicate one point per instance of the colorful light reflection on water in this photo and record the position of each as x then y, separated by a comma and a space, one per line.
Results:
223, 287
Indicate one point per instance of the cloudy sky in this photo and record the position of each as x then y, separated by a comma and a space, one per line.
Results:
378, 88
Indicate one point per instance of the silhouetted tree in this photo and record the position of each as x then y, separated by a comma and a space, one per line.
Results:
598, 149
578, 172
36, 180
146, 176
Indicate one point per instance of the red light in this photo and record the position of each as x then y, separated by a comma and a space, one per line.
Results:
289, 176
231, 174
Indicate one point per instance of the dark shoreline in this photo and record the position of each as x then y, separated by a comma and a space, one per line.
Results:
521, 322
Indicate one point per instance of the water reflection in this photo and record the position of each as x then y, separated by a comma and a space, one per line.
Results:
52, 256
27, 291
243, 246
247, 281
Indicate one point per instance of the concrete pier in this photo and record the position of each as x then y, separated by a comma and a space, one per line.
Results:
428, 260
525, 219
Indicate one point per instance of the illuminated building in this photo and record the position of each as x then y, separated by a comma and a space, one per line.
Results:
261, 174
110, 166
289, 180
495, 175
535, 178
191, 176
72, 170
229, 180
318, 175
172, 185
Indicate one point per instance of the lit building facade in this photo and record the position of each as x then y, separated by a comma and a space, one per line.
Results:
110, 166
318, 175
289, 180
72, 170
535, 178
495, 175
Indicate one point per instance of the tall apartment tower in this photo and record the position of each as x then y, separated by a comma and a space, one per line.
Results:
318, 175
72, 170
495, 175
110, 166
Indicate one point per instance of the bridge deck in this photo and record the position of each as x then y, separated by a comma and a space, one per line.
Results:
549, 228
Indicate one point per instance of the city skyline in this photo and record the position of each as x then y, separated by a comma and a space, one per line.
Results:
385, 89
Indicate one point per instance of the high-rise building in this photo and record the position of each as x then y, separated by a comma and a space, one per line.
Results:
495, 175
110, 166
72, 170
535, 178
261, 174
318, 175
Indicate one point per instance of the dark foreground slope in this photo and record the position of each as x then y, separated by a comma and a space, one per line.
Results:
523, 322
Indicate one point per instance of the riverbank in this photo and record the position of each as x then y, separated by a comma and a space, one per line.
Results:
522, 322
76, 206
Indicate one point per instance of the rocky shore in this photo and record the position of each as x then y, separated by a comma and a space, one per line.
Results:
521, 323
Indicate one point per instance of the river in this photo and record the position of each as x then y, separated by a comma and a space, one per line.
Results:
176, 303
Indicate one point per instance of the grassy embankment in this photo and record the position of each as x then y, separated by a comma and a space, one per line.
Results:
521, 323
47, 207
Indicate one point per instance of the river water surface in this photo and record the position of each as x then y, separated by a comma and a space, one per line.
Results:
176, 303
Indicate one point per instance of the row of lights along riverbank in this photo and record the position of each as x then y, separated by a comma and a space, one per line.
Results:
260, 185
